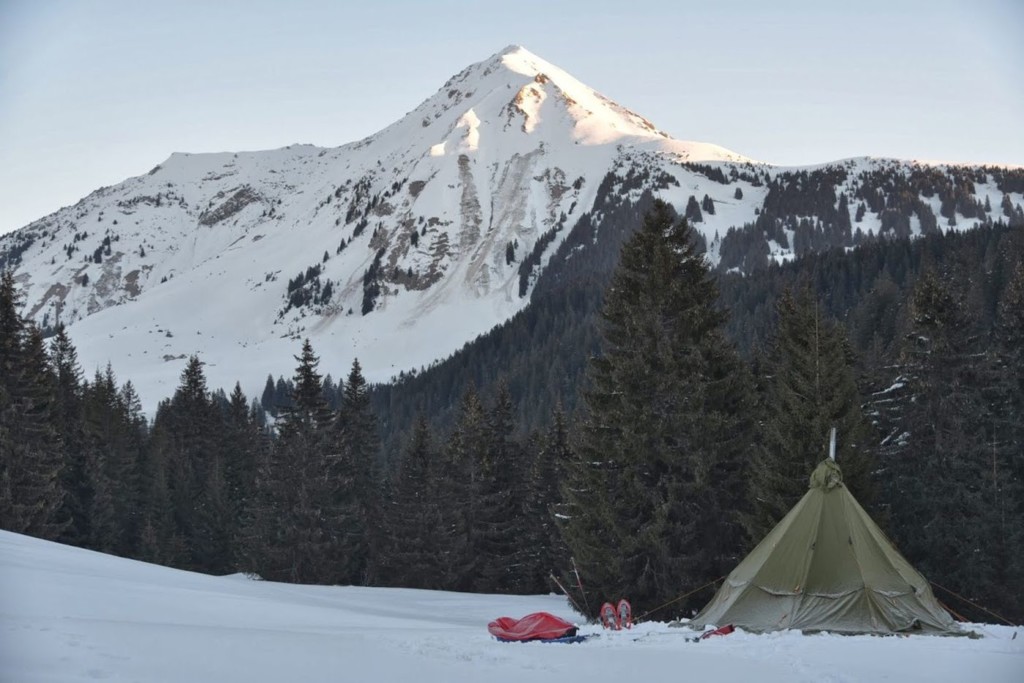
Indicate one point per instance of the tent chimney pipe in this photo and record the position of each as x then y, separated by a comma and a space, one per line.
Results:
832, 445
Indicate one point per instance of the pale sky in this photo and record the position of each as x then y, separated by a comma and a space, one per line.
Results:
95, 91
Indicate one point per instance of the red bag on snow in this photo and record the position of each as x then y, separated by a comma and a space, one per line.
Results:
536, 626
723, 631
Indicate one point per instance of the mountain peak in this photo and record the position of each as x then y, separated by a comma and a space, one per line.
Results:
518, 83
436, 227
520, 60
512, 49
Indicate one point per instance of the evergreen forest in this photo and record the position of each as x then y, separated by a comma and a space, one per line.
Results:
634, 431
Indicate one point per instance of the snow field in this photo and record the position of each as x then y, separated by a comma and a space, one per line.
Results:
68, 614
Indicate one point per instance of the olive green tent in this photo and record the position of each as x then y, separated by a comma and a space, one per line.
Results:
826, 567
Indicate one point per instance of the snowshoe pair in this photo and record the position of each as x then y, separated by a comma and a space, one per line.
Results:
617, 617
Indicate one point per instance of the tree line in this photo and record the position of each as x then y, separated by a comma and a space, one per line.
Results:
215, 484
685, 447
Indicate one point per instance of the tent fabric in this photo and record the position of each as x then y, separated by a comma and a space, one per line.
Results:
826, 567
536, 626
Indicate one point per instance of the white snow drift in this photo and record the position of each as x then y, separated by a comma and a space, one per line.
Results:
68, 615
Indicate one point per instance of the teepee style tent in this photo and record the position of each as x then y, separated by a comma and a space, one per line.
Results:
826, 567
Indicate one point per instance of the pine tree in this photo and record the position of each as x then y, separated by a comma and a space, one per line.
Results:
844, 224
133, 437
31, 495
185, 435
267, 397
68, 420
545, 499
810, 387
107, 508
216, 520
240, 447
1006, 453
308, 412
358, 443
415, 547
297, 526
940, 483
693, 213
653, 498
500, 520
708, 204
461, 479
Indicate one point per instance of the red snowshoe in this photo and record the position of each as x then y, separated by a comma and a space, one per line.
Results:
609, 616
624, 614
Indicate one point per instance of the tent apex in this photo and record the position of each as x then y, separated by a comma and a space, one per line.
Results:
826, 475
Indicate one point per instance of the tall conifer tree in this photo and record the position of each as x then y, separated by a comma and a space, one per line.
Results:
360, 497
31, 495
501, 520
414, 554
69, 423
939, 480
810, 387
653, 504
461, 482
546, 474
297, 528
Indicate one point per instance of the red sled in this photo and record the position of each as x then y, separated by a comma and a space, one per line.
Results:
542, 626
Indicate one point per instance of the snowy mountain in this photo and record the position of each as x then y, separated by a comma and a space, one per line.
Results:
400, 248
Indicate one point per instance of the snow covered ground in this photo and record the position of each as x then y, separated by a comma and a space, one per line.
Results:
68, 614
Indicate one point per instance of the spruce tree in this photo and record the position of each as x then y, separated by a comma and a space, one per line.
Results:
297, 526
134, 437
68, 420
106, 506
654, 494
215, 522
810, 387
186, 435
461, 480
31, 462
160, 541
543, 504
415, 547
1006, 447
941, 490
501, 521
357, 441
241, 445
693, 213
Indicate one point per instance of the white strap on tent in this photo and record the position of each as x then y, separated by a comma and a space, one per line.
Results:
832, 445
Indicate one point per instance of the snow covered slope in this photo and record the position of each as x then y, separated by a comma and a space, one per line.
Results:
396, 249
68, 614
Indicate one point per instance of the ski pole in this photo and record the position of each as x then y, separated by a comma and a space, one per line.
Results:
575, 605
580, 584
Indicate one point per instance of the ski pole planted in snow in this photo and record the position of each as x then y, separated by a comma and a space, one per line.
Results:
580, 584
575, 605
